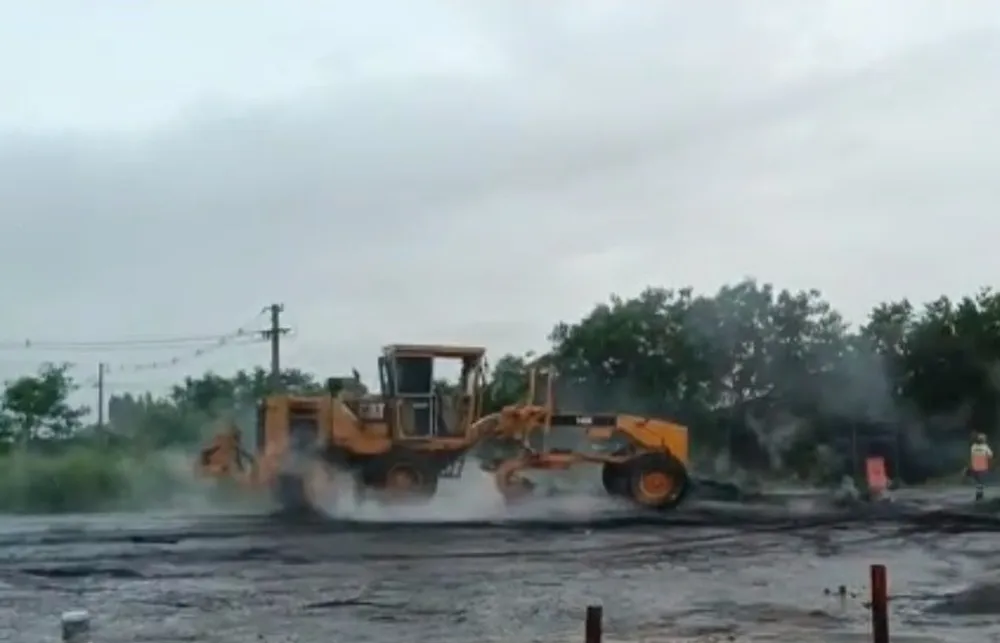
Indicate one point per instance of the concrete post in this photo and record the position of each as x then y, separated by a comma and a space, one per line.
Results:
76, 627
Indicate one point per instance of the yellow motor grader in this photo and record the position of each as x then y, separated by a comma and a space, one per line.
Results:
398, 444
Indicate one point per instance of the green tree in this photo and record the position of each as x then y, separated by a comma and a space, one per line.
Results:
636, 353
724, 364
508, 382
774, 377
949, 364
37, 406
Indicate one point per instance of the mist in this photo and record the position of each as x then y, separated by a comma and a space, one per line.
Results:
473, 497
665, 141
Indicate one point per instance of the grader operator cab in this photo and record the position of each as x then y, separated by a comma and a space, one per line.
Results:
398, 444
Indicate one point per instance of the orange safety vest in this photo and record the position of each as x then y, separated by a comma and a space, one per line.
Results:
878, 481
979, 461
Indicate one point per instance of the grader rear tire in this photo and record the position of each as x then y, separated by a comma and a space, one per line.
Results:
402, 476
291, 494
658, 481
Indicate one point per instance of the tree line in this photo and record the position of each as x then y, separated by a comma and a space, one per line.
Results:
766, 379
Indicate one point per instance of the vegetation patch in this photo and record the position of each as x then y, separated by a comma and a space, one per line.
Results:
772, 383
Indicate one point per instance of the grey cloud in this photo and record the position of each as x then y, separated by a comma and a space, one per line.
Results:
587, 150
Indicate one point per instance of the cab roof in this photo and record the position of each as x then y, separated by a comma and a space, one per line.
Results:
434, 350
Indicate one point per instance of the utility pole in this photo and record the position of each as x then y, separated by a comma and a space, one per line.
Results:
274, 334
101, 367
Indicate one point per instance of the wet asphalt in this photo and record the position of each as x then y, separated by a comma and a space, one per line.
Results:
710, 572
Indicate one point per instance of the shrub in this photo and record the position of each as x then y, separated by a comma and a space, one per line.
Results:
80, 479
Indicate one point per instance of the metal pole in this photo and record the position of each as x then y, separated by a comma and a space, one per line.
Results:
100, 395
274, 334
593, 627
880, 604
76, 627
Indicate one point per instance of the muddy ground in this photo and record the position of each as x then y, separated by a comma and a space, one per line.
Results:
710, 572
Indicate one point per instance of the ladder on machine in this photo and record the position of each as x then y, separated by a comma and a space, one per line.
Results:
541, 382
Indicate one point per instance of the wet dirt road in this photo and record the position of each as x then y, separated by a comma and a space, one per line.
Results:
708, 574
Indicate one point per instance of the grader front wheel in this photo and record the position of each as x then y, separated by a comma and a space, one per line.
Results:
291, 493
510, 483
615, 479
658, 481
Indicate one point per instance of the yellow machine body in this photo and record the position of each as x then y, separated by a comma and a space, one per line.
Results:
401, 442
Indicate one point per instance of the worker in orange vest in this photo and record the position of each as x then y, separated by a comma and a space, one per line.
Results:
980, 459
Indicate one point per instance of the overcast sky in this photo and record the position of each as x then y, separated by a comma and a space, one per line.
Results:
427, 170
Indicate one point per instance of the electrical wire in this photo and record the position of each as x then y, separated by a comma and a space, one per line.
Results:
104, 345
131, 343
198, 346
176, 360
112, 370
128, 369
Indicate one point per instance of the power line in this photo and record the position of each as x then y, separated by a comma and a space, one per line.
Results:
176, 360
245, 334
198, 346
271, 335
119, 344
113, 370
132, 343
